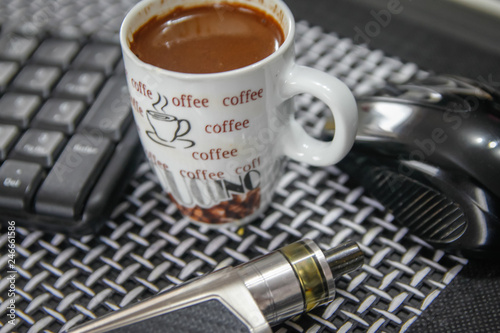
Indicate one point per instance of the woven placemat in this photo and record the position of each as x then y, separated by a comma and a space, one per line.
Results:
147, 246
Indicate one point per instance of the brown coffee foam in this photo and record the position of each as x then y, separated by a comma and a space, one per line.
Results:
207, 38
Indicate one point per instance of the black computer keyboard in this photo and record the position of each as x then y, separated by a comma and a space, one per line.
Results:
67, 139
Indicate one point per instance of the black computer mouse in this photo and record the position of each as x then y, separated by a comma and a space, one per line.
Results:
446, 121
429, 150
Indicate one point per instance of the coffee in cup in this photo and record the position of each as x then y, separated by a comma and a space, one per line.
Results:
207, 38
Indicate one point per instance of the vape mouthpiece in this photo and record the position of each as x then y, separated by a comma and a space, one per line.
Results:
344, 258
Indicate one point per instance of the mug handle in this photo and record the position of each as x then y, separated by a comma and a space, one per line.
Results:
300, 146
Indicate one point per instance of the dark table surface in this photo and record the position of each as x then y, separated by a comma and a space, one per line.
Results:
440, 37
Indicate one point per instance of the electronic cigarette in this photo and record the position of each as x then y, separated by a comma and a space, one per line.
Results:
251, 297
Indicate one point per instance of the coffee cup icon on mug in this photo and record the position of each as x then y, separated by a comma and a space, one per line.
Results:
168, 128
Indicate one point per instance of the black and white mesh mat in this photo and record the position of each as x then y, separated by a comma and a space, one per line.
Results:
147, 246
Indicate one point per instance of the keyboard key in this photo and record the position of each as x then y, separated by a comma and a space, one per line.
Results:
110, 114
18, 109
37, 79
17, 47
7, 71
102, 57
8, 136
80, 84
39, 146
69, 31
18, 182
73, 176
59, 115
106, 36
58, 52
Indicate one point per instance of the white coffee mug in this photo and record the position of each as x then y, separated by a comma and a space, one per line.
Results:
222, 166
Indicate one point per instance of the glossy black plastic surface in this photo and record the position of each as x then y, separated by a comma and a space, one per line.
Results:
430, 152
446, 121
444, 208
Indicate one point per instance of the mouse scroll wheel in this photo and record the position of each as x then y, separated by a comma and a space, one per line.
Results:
444, 101
445, 98
422, 96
